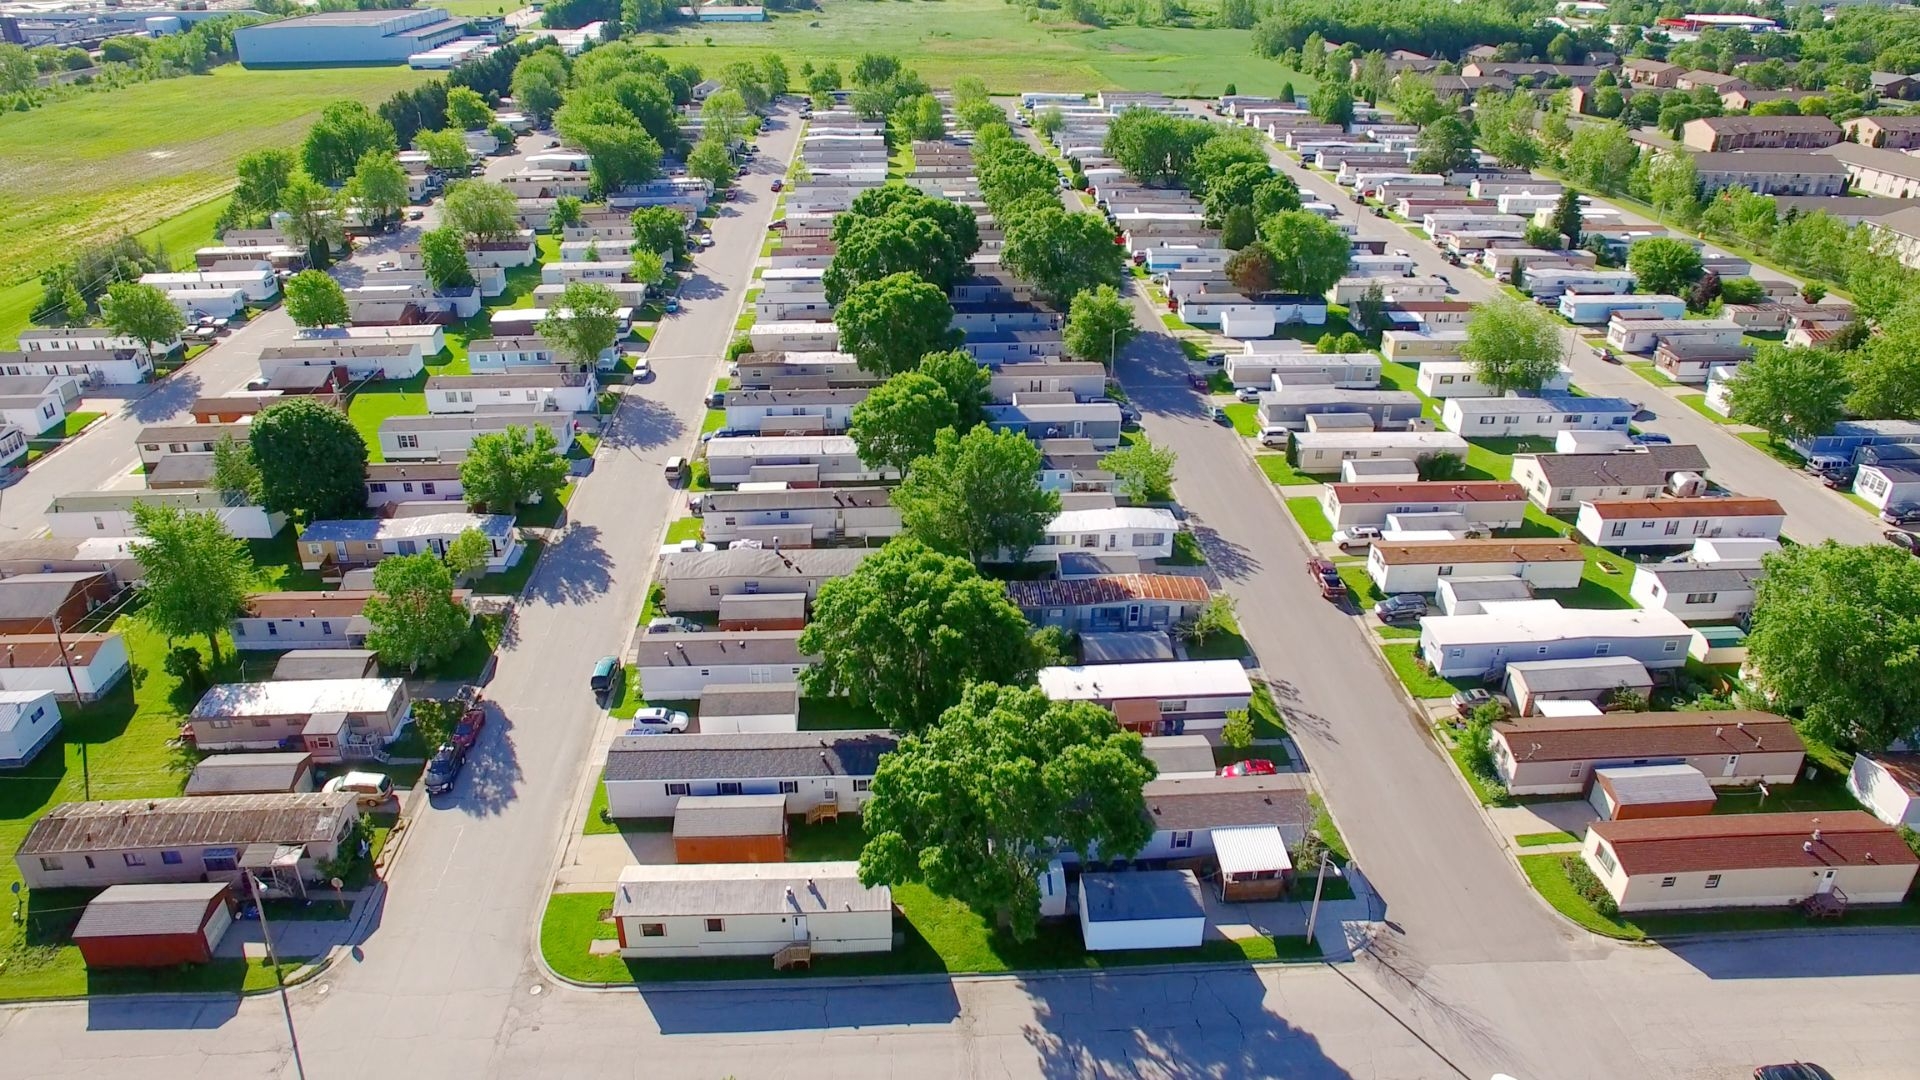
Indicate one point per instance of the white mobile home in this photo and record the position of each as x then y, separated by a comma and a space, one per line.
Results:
647, 775
1589, 309
1324, 451
1466, 646
1677, 522
1156, 699
1458, 378
1421, 566
788, 910
1548, 413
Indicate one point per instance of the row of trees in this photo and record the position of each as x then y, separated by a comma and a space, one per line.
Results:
124, 60
1799, 392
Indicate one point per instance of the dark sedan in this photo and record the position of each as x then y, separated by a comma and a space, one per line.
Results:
444, 769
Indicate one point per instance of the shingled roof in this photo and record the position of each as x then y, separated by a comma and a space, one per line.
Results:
1647, 735
1719, 842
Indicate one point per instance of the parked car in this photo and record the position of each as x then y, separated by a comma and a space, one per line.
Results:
1219, 416
1402, 607
1194, 379
686, 546
1402, 253
1218, 359
1356, 536
416, 215
1904, 540
1901, 515
443, 769
1250, 767
1327, 577
658, 721
606, 671
642, 369
371, 789
1610, 356
731, 195
1247, 393
671, 305
467, 732
672, 624
1837, 478
1797, 1070
1466, 701
1650, 438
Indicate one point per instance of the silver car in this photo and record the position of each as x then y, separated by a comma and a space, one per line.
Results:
658, 721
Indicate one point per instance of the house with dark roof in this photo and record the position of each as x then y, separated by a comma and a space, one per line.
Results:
43, 603
798, 517
1696, 592
1556, 755
157, 925
1874, 171
647, 775
132, 841
252, 774
413, 481
1773, 172
1835, 857
1185, 811
67, 664
1717, 134
1564, 481
1111, 602
696, 580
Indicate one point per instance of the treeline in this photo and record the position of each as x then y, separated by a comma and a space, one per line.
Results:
125, 60
1431, 27
71, 292
424, 107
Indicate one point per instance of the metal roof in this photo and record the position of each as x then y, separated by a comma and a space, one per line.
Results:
1141, 895
1250, 849
730, 815
719, 889
1641, 785
142, 910
230, 820
748, 756
1107, 589
336, 530
302, 697
248, 774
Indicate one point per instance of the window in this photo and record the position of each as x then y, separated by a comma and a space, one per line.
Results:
862, 785
713, 590
170, 858
1604, 856
273, 629
1574, 419
678, 789
789, 787
466, 395
1572, 774
262, 721
716, 926
729, 787
377, 487
1702, 597
1619, 529
1713, 881
1182, 840
49, 862
1671, 646
429, 489
134, 858
1446, 571
408, 442
1673, 527
1603, 648
653, 929
1667, 882
1172, 707
218, 723
407, 487
1488, 420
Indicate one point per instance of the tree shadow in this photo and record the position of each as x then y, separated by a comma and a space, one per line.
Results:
1231, 560
492, 775
169, 397
698, 286
574, 570
643, 423
1213, 1023
842, 1004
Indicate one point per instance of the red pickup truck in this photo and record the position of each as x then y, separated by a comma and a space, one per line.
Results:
1328, 578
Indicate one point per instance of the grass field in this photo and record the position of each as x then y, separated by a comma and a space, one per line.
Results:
996, 43
114, 161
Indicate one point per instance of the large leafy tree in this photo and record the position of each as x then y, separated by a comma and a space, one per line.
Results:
505, 469
869, 249
539, 82
311, 459
379, 187
444, 257
1224, 150
583, 323
978, 496
1143, 471
1252, 269
1152, 146
1789, 393
1885, 372
414, 618
661, 229
1099, 325
346, 132
1566, 218
1062, 253
263, 175
446, 150
197, 574
976, 806
315, 299
1309, 254
1835, 638
908, 630
1663, 264
710, 160
623, 151
314, 220
888, 324
1513, 345
143, 313
898, 421
1600, 157
467, 110
1234, 187
965, 382
1673, 186
481, 209
1445, 145
234, 473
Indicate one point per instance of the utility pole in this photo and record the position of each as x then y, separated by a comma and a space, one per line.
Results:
266, 937
1319, 883
60, 642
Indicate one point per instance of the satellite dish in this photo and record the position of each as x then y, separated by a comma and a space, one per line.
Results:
336, 883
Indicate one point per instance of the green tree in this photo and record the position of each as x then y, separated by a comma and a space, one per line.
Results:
1234, 187
1236, 228
346, 132
1513, 345
311, 459
725, 115
467, 110
890, 323
481, 209
1152, 146
1369, 311
1237, 732
1062, 253
908, 630
234, 473
975, 807
142, 313
1309, 254
197, 575
623, 151
566, 214
1885, 372
1252, 269
1278, 194
315, 299
1048, 121
1332, 104
263, 176
661, 229
508, 469
1445, 145
919, 118
647, 267
539, 83
1540, 236
313, 220
711, 161
467, 554
1742, 290
1099, 325
1143, 471
446, 150
413, 616
964, 381
1566, 218
583, 324
1673, 181
1600, 157
978, 496
1224, 151
1789, 393
379, 187
444, 257
1854, 681
898, 421
1664, 264
872, 248
1416, 102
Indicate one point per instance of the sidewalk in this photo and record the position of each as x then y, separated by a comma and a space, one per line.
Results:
307, 938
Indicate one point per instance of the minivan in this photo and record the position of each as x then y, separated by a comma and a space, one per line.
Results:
676, 469
604, 673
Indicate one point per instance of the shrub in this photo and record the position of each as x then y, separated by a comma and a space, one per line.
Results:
1588, 885
739, 348
1237, 732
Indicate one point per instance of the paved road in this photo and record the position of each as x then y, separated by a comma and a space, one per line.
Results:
1813, 512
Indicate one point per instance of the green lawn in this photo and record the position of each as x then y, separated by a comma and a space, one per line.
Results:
1492, 459
829, 841
713, 421
1186, 551
1313, 521
1245, 416
1779, 452
1646, 370
152, 152
1542, 839
1489, 791
937, 935
77, 422
597, 824
546, 513
1603, 584
1826, 791
276, 564
1698, 403
513, 580
629, 697
686, 528
1360, 584
1267, 721
1405, 661
1281, 471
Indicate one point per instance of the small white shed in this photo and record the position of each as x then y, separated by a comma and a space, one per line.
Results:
29, 719
1144, 909
1641, 791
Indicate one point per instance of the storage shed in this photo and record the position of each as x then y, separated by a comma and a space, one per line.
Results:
1641, 791
730, 829
1143, 909
743, 707
1530, 682
763, 611
252, 774
154, 925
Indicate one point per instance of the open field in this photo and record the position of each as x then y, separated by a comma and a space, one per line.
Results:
995, 42
126, 160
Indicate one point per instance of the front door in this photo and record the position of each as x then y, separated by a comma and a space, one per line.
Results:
1826, 881
799, 928
1733, 762
1133, 614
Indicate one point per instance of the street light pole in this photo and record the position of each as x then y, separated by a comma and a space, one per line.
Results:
266, 937
1319, 883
